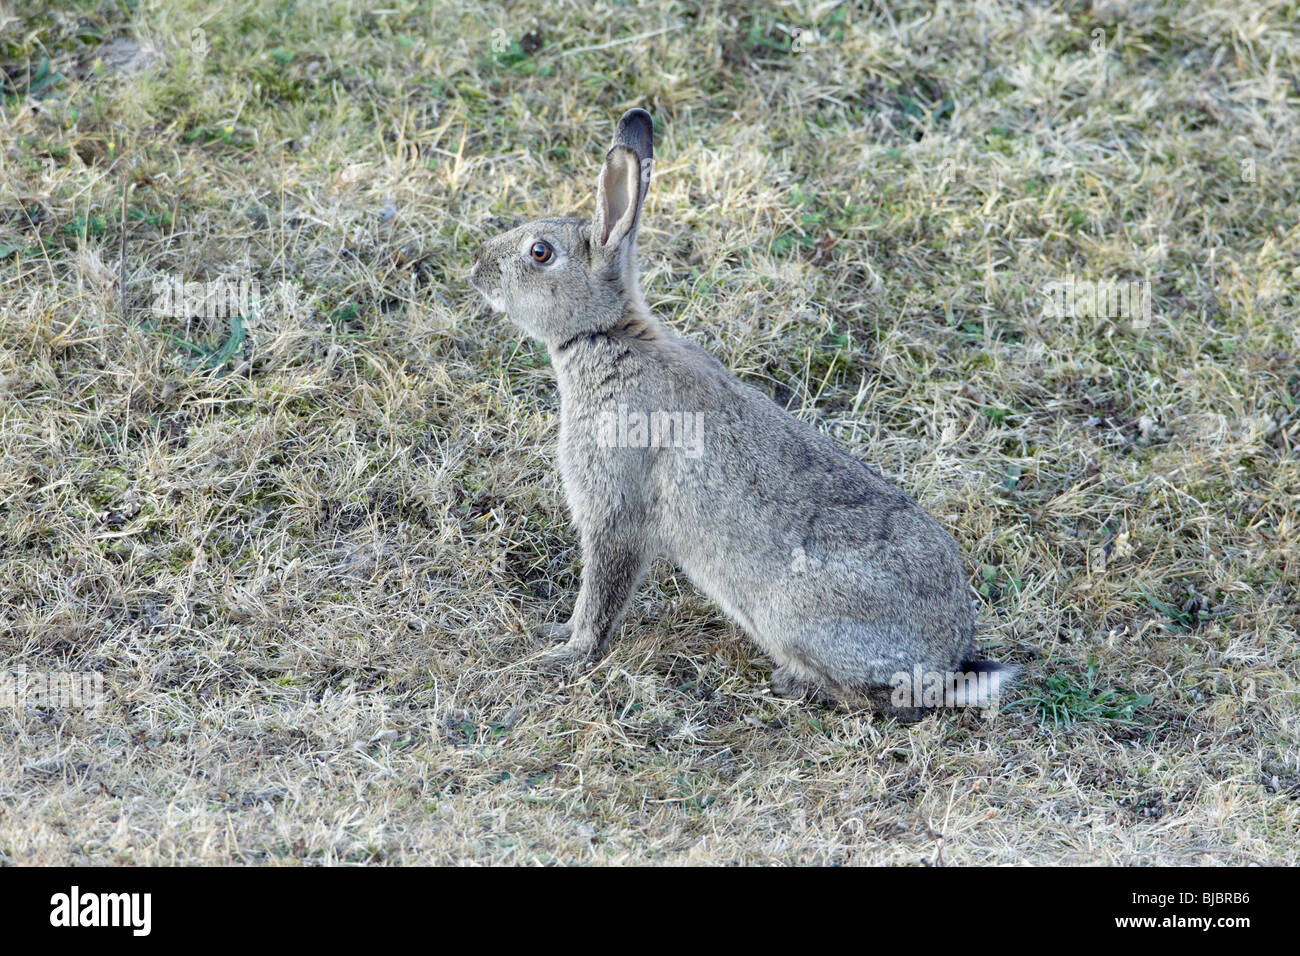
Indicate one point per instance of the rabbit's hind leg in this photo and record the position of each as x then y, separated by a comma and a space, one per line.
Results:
854, 654
796, 678
852, 662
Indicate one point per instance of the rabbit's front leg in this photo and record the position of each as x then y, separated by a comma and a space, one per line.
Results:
611, 570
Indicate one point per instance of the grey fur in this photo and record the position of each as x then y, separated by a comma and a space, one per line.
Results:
837, 574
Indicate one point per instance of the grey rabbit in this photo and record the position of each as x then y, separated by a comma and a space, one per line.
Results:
851, 587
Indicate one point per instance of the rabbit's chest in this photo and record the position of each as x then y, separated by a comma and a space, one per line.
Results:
573, 458
583, 471
601, 477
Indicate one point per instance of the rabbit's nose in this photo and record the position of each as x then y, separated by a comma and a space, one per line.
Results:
474, 256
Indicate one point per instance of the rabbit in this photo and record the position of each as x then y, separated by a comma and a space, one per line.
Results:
858, 595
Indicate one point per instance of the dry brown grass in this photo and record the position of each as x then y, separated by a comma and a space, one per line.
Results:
308, 574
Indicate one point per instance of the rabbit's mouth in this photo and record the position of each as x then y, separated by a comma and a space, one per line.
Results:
493, 294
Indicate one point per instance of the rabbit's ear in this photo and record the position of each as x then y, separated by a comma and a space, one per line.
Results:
623, 182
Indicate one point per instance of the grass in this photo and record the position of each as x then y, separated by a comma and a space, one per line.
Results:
305, 546
1066, 701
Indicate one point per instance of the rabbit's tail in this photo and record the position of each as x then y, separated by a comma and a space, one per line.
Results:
981, 683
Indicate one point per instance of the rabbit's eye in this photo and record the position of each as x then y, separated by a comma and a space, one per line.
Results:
541, 251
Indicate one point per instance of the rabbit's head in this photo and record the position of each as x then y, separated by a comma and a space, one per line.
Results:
561, 278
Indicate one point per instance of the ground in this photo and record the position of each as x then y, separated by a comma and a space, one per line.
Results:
306, 542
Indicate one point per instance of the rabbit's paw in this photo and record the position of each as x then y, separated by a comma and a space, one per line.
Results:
556, 632
787, 683
565, 661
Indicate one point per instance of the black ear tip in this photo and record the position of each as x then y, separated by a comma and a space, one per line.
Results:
636, 130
